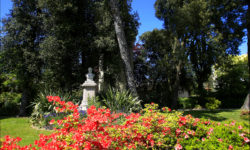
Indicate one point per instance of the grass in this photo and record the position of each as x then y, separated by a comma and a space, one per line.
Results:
218, 115
20, 127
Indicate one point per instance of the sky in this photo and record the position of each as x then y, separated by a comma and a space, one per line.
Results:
145, 10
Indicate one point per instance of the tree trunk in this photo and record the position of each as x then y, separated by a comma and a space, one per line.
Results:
176, 46
124, 51
176, 86
24, 102
246, 104
101, 73
121, 82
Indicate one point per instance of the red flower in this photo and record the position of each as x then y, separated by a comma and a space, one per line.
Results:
177, 132
149, 137
99, 130
52, 121
59, 122
178, 147
220, 140
230, 147
246, 139
186, 136
232, 123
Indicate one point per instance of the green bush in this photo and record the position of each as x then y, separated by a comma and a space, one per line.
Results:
245, 114
187, 102
9, 94
95, 101
212, 103
42, 108
9, 103
232, 82
121, 101
214, 135
152, 128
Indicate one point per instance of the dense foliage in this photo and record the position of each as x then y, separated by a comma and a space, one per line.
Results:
121, 101
43, 111
209, 30
232, 82
197, 35
165, 67
152, 128
50, 43
10, 95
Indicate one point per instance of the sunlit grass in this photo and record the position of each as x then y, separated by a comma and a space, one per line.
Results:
218, 115
20, 127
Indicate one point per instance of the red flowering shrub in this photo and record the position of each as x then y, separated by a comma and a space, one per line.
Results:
150, 129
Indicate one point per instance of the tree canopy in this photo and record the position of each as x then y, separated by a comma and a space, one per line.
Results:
51, 43
210, 30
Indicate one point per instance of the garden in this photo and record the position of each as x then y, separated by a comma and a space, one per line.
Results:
151, 128
82, 75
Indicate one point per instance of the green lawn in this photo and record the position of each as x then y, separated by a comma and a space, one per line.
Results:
218, 115
20, 127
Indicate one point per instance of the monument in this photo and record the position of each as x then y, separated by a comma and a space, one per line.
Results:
89, 87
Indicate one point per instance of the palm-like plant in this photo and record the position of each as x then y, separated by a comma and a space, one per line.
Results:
121, 101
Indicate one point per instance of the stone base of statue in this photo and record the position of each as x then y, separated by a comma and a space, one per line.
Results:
89, 88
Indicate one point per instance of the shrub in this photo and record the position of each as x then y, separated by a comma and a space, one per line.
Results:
95, 101
187, 102
232, 81
197, 107
245, 114
9, 94
9, 103
121, 101
43, 110
212, 103
151, 129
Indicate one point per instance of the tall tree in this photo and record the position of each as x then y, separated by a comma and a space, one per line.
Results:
166, 57
50, 43
23, 33
232, 81
75, 30
124, 51
209, 29
68, 46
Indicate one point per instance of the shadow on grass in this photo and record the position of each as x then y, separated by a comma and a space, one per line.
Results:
6, 117
208, 114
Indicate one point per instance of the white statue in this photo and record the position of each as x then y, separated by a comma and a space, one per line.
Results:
89, 87
90, 75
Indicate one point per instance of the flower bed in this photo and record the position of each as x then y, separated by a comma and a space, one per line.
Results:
150, 129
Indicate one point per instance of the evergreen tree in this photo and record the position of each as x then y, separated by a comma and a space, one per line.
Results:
20, 53
51, 43
67, 49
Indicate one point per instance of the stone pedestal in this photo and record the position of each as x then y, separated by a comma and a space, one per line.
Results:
89, 87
